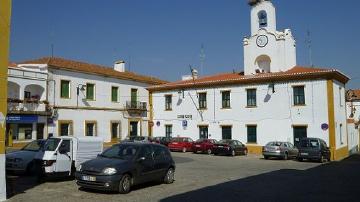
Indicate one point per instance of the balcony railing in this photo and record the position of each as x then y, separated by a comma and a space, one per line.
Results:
28, 106
135, 105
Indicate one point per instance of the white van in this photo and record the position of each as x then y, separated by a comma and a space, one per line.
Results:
62, 155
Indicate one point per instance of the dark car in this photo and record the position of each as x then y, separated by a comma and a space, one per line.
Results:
162, 140
22, 161
283, 150
127, 164
229, 147
313, 149
204, 146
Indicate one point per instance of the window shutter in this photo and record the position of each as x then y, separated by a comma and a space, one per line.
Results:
114, 94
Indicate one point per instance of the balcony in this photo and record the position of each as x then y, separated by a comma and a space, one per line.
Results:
135, 106
28, 106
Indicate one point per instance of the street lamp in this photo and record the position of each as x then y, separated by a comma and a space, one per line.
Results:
80, 87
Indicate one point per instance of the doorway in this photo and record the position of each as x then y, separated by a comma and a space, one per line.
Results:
133, 128
299, 132
203, 132
115, 131
40, 131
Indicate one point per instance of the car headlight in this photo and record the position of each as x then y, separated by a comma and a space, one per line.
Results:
79, 168
109, 171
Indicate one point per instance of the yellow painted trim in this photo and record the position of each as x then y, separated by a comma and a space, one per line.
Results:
341, 153
254, 149
70, 122
331, 117
5, 14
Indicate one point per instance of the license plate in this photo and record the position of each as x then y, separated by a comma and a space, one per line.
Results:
197, 145
89, 178
220, 146
305, 154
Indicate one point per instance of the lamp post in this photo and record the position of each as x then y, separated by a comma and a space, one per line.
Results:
79, 87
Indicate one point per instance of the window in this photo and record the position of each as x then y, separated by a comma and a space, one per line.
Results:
64, 89
225, 99
65, 128
90, 91
251, 134
133, 95
90, 128
114, 94
202, 101
251, 97
226, 132
262, 18
27, 95
340, 97
115, 130
65, 144
168, 130
299, 95
168, 102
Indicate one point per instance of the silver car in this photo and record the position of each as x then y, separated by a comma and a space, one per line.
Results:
22, 161
283, 150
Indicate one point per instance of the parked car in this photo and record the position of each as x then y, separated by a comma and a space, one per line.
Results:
313, 149
229, 147
204, 146
138, 139
183, 144
124, 165
62, 155
22, 161
162, 140
283, 150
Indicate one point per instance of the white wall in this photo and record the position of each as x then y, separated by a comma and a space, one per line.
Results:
273, 115
340, 115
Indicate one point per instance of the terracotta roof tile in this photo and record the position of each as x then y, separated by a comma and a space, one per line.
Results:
296, 73
71, 65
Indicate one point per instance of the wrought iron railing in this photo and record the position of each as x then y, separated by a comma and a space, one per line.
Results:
135, 105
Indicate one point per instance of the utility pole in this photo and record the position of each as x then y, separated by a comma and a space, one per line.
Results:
5, 13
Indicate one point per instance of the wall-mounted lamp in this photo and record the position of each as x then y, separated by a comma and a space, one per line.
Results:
272, 87
181, 93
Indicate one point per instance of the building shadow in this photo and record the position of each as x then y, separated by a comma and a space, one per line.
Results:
334, 181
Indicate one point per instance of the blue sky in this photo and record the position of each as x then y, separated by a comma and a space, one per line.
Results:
163, 37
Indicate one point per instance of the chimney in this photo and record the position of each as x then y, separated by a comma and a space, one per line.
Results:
119, 66
194, 73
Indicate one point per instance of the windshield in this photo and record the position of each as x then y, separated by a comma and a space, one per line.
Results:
51, 144
177, 139
121, 151
34, 145
224, 141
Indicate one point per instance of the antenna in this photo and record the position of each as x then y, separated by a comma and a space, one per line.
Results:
202, 59
308, 42
52, 50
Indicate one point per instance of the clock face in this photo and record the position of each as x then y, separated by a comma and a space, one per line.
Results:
262, 41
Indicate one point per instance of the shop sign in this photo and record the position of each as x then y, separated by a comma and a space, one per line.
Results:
189, 116
22, 118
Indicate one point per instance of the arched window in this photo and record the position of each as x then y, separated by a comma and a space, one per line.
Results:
263, 63
262, 18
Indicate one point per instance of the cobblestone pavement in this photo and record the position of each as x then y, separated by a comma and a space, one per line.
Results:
218, 178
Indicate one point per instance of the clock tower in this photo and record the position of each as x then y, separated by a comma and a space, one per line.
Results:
267, 50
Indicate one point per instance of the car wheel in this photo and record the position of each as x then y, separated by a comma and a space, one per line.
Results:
233, 153
285, 156
184, 149
300, 159
125, 184
209, 151
169, 177
266, 157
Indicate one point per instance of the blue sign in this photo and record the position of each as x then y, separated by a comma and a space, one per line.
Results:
324, 126
184, 123
158, 123
21, 118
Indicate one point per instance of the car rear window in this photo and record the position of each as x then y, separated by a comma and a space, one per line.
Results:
177, 139
278, 144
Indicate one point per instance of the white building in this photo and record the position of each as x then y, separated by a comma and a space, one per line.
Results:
273, 99
91, 100
353, 119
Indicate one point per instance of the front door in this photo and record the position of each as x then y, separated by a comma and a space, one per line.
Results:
203, 132
40, 131
133, 128
64, 161
115, 130
299, 132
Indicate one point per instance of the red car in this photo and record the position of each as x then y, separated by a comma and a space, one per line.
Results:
204, 146
183, 144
